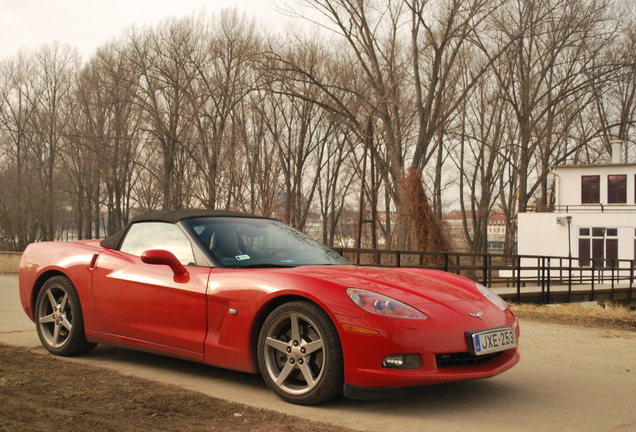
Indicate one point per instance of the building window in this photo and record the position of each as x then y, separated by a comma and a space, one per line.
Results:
590, 189
598, 244
617, 189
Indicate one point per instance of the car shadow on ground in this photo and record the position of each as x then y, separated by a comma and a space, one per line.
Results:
127, 361
467, 396
439, 399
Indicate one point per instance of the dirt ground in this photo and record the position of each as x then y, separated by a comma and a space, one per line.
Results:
43, 393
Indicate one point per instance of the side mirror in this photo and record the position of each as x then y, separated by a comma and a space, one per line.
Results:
163, 257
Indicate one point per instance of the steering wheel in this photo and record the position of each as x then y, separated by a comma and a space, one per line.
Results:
285, 253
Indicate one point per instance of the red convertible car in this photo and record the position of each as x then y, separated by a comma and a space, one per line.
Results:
252, 294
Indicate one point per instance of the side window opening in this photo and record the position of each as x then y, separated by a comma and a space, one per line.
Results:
158, 235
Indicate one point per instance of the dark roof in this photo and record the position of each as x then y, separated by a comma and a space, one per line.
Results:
113, 241
177, 215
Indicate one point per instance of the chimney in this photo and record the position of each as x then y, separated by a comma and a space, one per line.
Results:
616, 151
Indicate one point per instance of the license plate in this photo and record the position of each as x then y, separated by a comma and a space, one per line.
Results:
490, 341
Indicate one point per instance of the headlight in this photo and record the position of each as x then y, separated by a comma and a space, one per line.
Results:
378, 304
497, 301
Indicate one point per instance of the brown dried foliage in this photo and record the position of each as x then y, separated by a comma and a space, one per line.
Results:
422, 230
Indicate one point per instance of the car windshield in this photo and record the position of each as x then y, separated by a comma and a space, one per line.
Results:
252, 243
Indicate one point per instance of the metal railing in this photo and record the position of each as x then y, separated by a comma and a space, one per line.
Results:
593, 208
527, 278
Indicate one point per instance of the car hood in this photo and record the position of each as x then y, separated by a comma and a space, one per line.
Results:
414, 286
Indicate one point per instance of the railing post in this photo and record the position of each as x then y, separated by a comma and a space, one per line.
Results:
485, 270
631, 277
592, 293
398, 257
518, 279
570, 280
445, 261
542, 276
549, 263
613, 275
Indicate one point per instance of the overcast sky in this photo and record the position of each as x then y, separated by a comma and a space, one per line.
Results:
88, 24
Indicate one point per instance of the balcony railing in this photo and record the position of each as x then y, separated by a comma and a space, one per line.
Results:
594, 208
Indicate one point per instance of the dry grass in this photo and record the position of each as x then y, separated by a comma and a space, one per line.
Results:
588, 315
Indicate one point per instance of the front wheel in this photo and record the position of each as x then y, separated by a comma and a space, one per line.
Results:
59, 320
299, 354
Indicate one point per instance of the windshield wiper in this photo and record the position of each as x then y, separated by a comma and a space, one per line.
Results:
264, 265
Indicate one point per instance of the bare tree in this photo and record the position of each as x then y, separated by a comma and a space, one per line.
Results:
210, 111
161, 58
335, 182
57, 67
477, 157
443, 34
382, 65
258, 155
225, 75
20, 193
299, 131
614, 114
426, 77
547, 72
106, 141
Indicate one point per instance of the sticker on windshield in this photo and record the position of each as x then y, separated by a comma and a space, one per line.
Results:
242, 257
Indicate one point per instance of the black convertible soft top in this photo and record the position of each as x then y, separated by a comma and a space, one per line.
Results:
113, 241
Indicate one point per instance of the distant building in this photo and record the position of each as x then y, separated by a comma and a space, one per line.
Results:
594, 215
455, 223
496, 231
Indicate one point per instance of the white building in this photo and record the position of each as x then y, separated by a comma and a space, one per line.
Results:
594, 216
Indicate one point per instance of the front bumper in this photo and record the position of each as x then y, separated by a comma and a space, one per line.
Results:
441, 345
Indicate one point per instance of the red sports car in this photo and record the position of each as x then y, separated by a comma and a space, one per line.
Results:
252, 294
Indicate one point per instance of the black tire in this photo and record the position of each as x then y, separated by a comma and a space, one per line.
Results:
299, 354
58, 318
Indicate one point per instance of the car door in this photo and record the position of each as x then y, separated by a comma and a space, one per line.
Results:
148, 302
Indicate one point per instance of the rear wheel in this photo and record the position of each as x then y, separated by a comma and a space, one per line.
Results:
59, 320
300, 355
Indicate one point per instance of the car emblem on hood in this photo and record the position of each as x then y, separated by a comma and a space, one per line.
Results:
476, 315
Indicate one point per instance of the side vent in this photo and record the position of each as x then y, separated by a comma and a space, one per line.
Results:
93, 263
